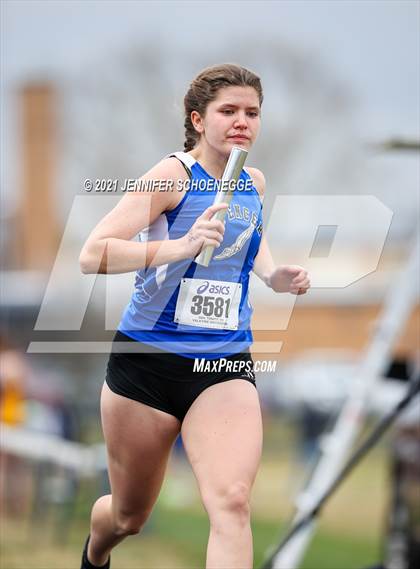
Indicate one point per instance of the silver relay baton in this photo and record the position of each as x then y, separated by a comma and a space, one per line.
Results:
228, 183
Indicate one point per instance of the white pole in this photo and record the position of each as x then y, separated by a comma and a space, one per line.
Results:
400, 300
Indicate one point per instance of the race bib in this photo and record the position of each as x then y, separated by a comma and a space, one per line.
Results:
208, 304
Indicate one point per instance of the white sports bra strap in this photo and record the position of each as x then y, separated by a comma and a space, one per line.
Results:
187, 160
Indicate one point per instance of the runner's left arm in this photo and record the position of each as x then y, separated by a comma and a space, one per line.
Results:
264, 265
282, 278
263, 262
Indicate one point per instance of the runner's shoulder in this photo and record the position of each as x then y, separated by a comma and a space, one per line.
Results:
169, 168
258, 179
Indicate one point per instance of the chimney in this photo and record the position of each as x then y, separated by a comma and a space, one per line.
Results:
37, 217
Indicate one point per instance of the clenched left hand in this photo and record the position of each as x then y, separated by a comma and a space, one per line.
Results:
289, 278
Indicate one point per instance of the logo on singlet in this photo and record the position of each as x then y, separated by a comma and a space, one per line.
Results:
244, 214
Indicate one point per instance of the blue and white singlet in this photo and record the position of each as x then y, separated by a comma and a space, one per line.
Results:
195, 311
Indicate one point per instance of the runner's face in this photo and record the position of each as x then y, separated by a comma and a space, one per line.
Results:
232, 119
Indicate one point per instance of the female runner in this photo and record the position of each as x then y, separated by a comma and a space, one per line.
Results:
180, 360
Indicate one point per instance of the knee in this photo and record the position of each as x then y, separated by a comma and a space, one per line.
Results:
232, 500
129, 523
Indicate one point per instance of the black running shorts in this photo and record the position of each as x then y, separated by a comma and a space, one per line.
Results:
167, 381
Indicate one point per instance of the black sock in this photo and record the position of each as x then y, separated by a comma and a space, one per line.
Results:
86, 564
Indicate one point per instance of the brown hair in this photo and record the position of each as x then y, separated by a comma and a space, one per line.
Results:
204, 88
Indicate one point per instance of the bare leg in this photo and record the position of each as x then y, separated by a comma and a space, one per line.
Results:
222, 434
139, 439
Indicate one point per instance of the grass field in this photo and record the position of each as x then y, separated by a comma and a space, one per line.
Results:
348, 536
175, 540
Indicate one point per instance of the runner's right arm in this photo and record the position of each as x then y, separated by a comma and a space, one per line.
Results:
109, 249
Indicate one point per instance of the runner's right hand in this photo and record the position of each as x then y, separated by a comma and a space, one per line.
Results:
205, 231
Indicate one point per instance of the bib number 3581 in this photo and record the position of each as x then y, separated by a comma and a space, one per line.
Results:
208, 303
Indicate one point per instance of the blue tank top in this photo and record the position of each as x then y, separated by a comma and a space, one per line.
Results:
195, 311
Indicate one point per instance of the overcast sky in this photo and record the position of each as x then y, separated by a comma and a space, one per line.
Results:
374, 45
